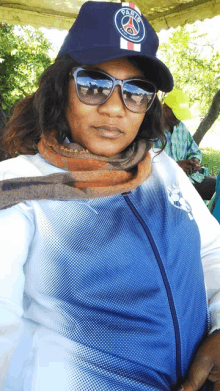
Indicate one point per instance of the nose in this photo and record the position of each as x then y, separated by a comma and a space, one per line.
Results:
114, 105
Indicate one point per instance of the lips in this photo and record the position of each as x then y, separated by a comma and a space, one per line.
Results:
109, 131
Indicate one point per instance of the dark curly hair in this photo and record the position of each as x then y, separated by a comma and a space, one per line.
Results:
44, 111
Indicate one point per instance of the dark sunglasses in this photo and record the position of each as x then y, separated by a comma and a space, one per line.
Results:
94, 87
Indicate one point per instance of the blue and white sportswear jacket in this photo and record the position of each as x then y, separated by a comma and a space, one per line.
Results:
106, 294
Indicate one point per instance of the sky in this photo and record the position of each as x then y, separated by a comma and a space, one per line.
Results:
56, 37
209, 26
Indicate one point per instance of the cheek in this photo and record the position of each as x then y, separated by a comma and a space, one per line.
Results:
135, 124
70, 109
77, 113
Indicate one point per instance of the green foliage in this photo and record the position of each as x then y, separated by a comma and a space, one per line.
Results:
211, 159
23, 57
197, 74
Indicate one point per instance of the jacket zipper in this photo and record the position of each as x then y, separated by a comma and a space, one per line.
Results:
166, 284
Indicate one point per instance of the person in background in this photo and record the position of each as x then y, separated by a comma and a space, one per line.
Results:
214, 206
104, 243
180, 144
216, 210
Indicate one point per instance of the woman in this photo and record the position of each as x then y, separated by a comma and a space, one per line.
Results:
102, 281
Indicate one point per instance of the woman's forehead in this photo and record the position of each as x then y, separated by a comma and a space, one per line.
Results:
119, 66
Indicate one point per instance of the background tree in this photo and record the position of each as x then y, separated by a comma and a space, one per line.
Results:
195, 71
3, 120
209, 119
24, 54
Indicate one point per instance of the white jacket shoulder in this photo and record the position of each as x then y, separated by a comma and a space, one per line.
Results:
26, 166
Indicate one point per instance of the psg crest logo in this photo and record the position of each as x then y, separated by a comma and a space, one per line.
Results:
129, 24
177, 200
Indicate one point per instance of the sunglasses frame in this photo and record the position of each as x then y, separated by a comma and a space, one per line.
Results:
116, 82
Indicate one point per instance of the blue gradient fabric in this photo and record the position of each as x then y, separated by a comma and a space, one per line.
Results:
109, 292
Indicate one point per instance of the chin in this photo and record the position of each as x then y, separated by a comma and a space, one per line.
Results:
106, 151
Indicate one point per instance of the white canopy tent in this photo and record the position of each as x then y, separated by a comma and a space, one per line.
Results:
61, 14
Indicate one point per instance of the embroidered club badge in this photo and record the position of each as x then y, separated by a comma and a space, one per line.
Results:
129, 24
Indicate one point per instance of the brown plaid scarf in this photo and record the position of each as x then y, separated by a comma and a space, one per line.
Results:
88, 176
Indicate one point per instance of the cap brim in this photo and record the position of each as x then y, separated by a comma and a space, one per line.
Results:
183, 114
153, 69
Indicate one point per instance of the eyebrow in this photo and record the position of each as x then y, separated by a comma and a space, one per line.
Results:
90, 67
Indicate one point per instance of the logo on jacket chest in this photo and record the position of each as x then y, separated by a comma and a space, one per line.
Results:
176, 198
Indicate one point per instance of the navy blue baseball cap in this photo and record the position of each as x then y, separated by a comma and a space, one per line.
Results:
104, 31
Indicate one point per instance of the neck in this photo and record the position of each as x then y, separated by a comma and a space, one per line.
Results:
169, 128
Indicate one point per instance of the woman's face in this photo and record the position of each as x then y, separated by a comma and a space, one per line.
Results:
109, 128
169, 118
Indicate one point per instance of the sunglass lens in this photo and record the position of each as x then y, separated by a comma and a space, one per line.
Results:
138, 95
93, 87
